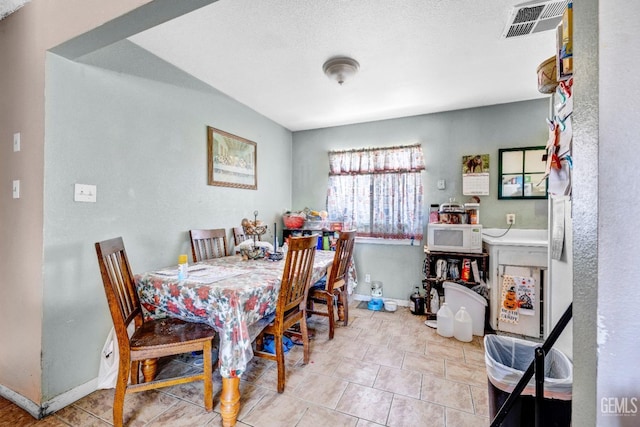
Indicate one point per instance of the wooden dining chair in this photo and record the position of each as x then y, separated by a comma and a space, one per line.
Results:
208, 244
321, 298
292, 303
151, 339
238, 235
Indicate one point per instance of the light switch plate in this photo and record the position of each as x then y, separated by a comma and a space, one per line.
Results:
16, 188
16, 141
85, 193
441, 184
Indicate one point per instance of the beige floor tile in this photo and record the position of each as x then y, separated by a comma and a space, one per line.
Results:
294, 375
72, 415
256, 368
357, 371
400, 381
473, 354
468, 374
384, 356
346, 347
184, 414
413, 412
322, 363
321, 389
366, 423
374, 337
456, 418
455, 353
250, 396
317, 416
276, 410
480, 397
192, 392
366, 402
447, 393
424, 364
140, 408
99, 403
412, 342
365, 323
382, 369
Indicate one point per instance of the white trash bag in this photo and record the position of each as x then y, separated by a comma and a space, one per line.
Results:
508, 358
109, 360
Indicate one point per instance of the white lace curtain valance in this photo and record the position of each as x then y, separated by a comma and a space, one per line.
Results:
376, 160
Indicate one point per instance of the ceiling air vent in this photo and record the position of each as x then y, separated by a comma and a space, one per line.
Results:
534, 17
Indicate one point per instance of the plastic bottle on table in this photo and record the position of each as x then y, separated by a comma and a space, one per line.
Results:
183, 267
463, 326
445, 321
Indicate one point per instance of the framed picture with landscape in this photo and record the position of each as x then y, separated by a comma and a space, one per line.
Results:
232, 160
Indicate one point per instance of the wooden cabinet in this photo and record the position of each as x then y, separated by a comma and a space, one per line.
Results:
433, 280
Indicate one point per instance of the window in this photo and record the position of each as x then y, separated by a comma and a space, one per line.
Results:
522, 173
379, 190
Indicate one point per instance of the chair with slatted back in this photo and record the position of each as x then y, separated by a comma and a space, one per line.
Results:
238, 235
151, 339
336, 284
208, 244
292, 302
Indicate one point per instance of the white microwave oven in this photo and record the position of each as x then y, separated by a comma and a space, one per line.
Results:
454, 237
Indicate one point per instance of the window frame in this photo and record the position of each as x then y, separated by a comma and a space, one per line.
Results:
522, 173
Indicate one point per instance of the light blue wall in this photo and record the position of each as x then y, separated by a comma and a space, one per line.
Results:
144, 144
445, 138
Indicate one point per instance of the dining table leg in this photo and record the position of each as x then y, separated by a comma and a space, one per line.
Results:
230, 401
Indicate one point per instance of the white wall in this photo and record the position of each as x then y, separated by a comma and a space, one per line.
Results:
616, 151
445, 138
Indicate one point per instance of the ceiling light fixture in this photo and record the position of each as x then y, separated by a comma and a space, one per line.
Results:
340, 68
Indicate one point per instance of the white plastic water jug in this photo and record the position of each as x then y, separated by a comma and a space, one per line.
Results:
463, 326
445, 321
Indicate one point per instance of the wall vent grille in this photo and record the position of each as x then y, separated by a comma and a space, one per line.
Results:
534, 17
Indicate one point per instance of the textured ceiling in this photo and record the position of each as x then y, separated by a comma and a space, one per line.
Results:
416, 56
7, 7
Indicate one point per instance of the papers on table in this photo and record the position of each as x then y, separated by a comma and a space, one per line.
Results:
202, 274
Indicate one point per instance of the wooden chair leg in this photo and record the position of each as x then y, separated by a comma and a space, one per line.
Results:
149, 369
280, 361
208, 376
121, 390
344, 296
305, 340
331, 314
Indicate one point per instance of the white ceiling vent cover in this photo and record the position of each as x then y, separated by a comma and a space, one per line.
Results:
533, 17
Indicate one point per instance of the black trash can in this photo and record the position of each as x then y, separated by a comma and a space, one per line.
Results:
507, 359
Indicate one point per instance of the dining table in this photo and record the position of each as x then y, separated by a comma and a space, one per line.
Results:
233, 295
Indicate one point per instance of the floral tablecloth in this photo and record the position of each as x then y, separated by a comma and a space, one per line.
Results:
228, 293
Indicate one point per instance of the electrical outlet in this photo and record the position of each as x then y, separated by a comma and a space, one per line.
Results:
367, 278
511, 219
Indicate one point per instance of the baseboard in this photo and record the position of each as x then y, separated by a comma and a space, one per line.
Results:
62, 400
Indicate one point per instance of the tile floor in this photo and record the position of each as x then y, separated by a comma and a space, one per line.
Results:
384, 369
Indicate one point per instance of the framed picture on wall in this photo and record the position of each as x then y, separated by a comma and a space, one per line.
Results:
232, 160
